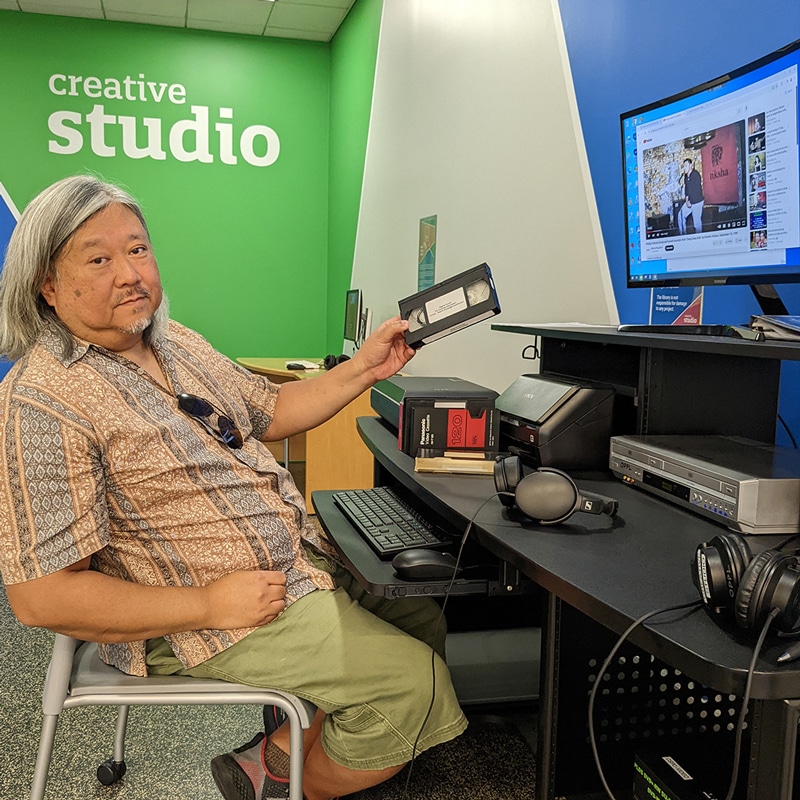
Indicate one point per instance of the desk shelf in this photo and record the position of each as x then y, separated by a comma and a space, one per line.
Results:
671, 383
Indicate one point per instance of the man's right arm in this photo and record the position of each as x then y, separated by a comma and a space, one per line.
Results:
89, 605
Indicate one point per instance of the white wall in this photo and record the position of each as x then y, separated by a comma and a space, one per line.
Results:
474, 120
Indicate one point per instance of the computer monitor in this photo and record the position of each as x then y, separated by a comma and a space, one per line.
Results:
352, 316
712, 182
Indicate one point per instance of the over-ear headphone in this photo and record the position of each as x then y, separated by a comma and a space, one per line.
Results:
547, 495
330, 361
735, 583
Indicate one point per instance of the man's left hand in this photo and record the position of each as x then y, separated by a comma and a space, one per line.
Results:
385, 352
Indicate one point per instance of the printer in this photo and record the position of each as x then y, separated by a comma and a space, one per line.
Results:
555, 423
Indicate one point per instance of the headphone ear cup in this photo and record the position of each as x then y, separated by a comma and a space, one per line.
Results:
718, 569
772, 580
330, 361
547, 495
507, 474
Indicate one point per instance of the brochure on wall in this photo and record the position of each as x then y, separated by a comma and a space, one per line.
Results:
677, 305
426, 266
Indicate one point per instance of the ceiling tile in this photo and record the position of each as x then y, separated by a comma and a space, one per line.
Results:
315, 20
226, 27
304, 17
326, 3
291, 33
239, 12
145, 19
150, 8
62, 9
60, 6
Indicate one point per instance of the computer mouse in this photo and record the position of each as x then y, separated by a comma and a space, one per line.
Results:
420, 564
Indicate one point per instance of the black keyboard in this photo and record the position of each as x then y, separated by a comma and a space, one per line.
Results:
386, 522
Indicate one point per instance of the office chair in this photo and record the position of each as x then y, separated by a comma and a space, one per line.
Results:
77, 677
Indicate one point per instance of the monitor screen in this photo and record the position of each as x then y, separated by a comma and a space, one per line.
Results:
352, 316
712, 183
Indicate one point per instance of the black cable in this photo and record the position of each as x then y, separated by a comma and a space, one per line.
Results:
598, 680
788, 432
534, 347
737, 749
436, 631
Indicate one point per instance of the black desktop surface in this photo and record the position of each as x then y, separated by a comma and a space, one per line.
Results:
612, 572
700, 343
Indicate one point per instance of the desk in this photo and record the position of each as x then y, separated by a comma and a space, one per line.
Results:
597, 578
334, 454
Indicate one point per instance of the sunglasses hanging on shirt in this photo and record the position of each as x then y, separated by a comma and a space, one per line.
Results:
202, 410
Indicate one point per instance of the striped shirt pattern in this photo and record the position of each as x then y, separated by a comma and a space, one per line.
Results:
98, 460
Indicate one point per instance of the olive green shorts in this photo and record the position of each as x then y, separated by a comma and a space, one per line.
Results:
353, 657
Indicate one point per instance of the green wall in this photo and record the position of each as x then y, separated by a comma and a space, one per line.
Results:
353, 55
242, 247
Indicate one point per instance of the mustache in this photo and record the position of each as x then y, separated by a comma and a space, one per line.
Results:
124, 296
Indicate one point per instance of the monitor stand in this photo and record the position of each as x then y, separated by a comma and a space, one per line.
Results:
768, 300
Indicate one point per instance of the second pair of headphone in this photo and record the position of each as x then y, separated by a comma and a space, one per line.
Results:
734, 582
330, 361
546, 495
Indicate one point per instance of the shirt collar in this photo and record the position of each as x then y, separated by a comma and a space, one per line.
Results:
51, 341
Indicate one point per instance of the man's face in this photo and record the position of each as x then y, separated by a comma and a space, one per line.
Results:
106, 286
687, 167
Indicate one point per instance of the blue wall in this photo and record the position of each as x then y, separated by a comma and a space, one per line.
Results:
626, 53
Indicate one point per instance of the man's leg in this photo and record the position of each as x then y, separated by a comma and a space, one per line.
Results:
372, 683
697, 217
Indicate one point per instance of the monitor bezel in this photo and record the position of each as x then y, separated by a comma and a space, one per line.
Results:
354, 335
716, 277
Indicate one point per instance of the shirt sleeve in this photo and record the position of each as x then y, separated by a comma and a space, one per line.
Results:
53, 511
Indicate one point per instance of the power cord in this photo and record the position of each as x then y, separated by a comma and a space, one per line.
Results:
436, 631
737, 750
531, 351
695, 604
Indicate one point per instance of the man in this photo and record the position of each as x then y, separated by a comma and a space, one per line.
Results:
140, 508
693, 198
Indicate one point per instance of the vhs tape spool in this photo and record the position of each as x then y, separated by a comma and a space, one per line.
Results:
449, 306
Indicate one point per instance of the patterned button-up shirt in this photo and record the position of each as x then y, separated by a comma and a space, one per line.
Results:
98, 460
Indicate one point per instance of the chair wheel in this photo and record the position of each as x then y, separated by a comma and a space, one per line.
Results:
111, 771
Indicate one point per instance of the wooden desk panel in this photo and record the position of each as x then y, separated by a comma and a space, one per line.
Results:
335, 456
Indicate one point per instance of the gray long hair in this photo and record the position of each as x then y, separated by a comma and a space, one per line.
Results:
47, 223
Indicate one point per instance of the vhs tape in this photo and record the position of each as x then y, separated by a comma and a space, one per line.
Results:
449, 306
449, 425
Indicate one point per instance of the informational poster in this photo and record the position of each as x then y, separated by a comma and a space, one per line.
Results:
677, 305
426, 267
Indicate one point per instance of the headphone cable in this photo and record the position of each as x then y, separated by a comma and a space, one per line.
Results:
737, 748
436, 631
695, 604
